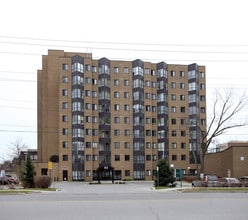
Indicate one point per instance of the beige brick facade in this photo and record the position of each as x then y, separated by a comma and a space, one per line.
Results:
121, 114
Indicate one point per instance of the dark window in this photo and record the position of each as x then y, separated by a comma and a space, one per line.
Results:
117, 157
65, 157
127, 157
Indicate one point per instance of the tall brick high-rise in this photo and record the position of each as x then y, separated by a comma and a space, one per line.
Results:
101, 118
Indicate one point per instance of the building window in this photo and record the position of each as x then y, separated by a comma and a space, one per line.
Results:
94, 119
64, 105
94, 106
153, 96
126, 82
202, 98
174, 145
154, 145
203, 122
117, 145
154, 157
94, 94
182, 74
116, 94
117, 107
116, 82
154, 133
148, 95
173, 73
173, 109
183, 133
147, 71
173, 97
203, 110
94, 157
148, 145
117, 132
127, 132
182, 97
174, 157
202, 86
117, 157
65, 131
148, 157
88, 119
88, 173
183, 145
126, 120
94, 69
182, 109
182, 85
65, 144
65, 79
94, 145
127, 145
173, 121
87, 80
87, 67
183, 121
148, 108
64, 118
125, 70
94, 132
202, 75
94, 81
126, 95
154, 121
173, 133
127, 172
65, 157
148, 120
65, 66
88, 131
88, 157
116, 69
126, 107
183, 157
127, 157
88, 144
87, 106
148, 132
87, 93
173, 85
117, 119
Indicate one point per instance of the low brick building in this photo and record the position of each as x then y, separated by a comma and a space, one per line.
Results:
230, 159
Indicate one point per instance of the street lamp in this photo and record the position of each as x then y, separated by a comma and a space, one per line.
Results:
158, 175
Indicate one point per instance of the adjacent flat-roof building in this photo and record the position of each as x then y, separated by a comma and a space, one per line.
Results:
101, 118
229, 160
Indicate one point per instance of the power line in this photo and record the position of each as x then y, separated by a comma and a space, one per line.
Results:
127, 43
127, 49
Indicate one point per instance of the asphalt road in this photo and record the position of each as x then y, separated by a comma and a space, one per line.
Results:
128, 201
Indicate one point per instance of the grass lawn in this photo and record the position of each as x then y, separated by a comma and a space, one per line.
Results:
24, 191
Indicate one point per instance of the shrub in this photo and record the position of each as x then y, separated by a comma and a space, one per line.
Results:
42, 181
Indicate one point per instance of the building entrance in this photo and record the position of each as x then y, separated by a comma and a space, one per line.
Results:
105, 173
65, 175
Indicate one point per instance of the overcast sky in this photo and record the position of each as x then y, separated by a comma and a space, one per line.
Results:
211, 33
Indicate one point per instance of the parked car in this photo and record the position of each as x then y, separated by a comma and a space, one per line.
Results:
4, 180
208, 181
243, 181
230, 182
12, 179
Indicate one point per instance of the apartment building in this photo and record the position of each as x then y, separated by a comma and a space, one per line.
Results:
114, 119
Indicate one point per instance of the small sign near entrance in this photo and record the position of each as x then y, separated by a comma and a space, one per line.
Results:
50, 165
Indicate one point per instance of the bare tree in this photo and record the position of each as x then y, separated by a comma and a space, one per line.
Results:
16, 148
15, 153
226, 108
